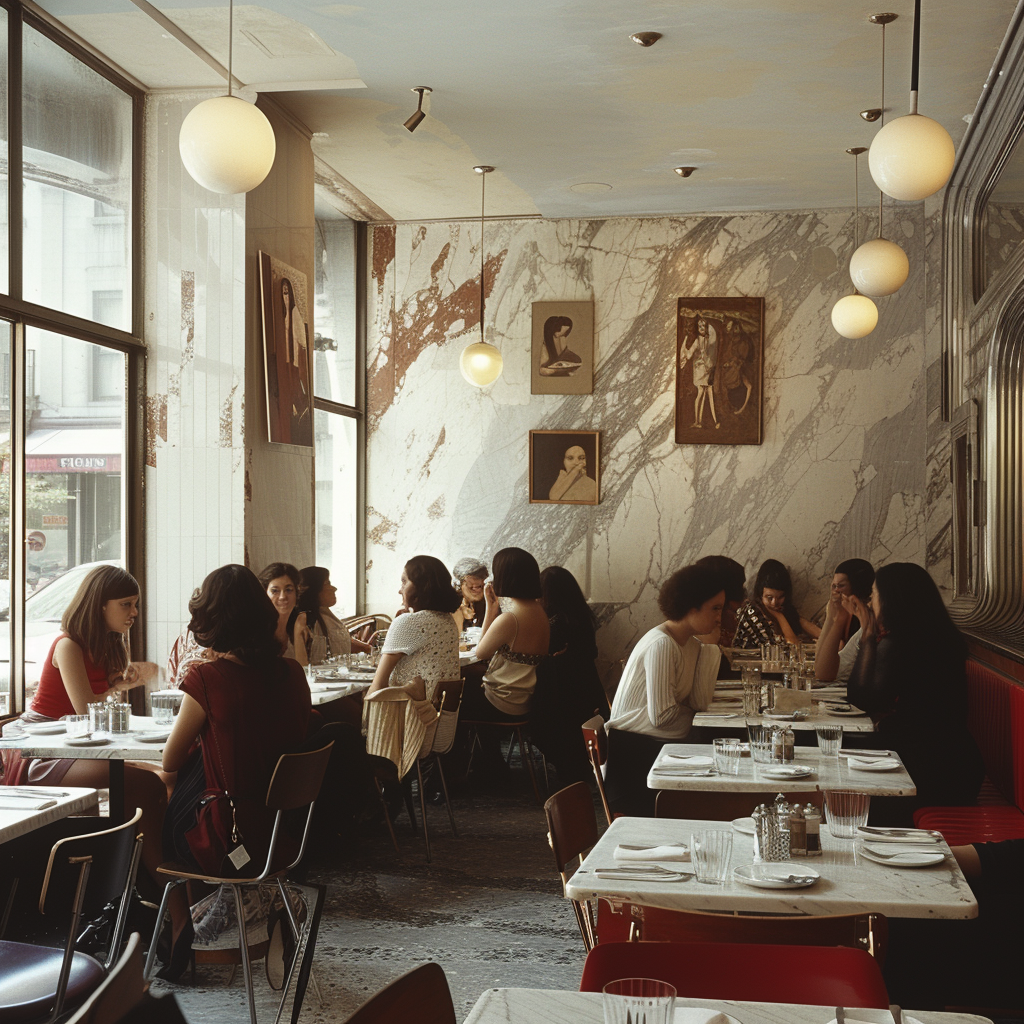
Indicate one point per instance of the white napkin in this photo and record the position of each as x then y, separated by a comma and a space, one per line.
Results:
699, 1015
19, 804
654, 853
853, 752
900, 835
695, 760
872, 762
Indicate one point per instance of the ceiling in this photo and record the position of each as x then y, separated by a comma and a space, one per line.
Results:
761, 96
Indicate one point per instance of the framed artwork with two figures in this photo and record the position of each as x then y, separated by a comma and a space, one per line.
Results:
563, 348
719, 370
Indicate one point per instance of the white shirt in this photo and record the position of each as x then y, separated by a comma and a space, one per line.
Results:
847, 656
663, 684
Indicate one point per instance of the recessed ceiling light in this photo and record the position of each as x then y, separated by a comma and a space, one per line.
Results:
590, 186
684, 172
645, 38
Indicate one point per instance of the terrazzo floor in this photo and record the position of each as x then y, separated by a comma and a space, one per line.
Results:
488, 909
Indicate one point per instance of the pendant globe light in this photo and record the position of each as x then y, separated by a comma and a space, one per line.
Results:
912, 157
480, 362
855, 316
226, 143
880, 267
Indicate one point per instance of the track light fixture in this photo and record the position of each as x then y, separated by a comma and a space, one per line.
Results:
414, 122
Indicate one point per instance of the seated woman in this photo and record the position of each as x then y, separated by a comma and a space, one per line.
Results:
323, 634
420, 655
734, 578
86, 664
910, 677
769, 616
246, 708
568, 689
470, 575
281, 581
669, 675
840, 635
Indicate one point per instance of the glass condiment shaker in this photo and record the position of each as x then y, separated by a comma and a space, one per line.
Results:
812, 821
797, 832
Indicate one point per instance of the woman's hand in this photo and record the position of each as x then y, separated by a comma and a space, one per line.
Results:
490, 596
136, 674
855, 606
835, 612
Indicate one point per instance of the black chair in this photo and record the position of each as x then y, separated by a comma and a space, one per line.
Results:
40, 982
122, 991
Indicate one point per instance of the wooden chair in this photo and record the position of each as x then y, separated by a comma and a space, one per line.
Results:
572, 831
596, 740
712, 806
868, 932
362, 627
100, 867
518, 736
294, 784
814, 975
444, 738
422, 996
123, 990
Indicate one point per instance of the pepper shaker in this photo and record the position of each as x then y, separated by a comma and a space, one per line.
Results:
797, 832
812, 820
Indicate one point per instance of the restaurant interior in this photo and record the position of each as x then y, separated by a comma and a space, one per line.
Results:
609, 288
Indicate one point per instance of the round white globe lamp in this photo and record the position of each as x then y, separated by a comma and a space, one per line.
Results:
854, 316
911, 158
480, 364
879, 267
227, 145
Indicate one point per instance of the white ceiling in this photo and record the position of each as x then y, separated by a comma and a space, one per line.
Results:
762, 96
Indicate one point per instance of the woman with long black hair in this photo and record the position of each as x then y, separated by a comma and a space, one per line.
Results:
769, 616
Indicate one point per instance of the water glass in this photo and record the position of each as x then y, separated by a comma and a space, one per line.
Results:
99, 719
77, 725
164, 707
760, 737
830, 739
845, 812
120, 717
5, 704
711, 851
638, 1001
727, 755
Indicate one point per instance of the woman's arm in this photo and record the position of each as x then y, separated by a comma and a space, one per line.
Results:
826, 661
69, 660
385, 667
300, 638
812, 629
783, 624
497, 632
187, 725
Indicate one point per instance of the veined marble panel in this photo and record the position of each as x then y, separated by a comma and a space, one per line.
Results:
841, 472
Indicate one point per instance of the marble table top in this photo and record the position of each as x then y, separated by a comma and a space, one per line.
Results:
829, 773
122, 746
727, 713
540, 1006
16, 822
334, 689
849, 883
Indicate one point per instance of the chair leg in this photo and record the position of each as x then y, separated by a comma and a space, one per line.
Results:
297, 935
526, 752
423, 809
409, 805
160, 915
447, 801
387, 815
243, 948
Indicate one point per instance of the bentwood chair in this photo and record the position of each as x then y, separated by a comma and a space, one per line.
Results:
40, 982
442, 741
815, 975
122, 991
294, 784
422, 996
572, 831
596, 741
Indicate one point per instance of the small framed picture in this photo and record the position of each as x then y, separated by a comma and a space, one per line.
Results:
565, 467
563, 348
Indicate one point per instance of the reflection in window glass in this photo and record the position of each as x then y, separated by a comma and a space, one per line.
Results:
5, 512
74, 450
334, 316
77, 162
336, 511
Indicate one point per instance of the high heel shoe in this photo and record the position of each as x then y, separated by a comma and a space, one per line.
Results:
181, 954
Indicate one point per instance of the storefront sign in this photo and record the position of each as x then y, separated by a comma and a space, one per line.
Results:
72, 464
55, 520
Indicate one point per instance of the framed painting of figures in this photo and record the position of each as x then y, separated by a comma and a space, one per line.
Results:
719, 370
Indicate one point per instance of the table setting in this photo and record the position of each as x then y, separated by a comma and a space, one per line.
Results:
24, 809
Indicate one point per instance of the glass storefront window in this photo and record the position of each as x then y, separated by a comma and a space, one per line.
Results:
335, 437
77, 165
4, 218
6, 679
334, 312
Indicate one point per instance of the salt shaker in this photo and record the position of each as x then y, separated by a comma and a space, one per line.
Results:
812, 820
797, 832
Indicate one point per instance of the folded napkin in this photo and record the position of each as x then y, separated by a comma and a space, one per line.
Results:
693, 760
699, 1015
872, 762
853, 752
666, 852
8, 803
875, 834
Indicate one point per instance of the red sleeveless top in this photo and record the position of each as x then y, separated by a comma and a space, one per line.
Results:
51, 697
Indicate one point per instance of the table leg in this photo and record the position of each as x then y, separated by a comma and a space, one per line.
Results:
116, 792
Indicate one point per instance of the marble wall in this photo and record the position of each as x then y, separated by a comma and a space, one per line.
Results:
843, 470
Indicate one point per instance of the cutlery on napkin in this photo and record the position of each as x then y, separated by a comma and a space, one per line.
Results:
690, 759
649, 874
25, 804
669, 851
854, 752
899, 835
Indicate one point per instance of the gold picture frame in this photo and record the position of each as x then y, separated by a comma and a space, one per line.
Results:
565, 467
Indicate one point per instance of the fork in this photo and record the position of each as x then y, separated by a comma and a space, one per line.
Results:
840, 1015
897, 1014
627, 846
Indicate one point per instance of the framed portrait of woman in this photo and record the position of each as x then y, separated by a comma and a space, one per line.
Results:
565, 467
284, 313
563, 348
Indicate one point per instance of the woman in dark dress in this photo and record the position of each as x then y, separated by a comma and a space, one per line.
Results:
910, 677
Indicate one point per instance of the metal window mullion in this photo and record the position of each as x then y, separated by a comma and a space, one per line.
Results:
360, 414
16, 522
15, 173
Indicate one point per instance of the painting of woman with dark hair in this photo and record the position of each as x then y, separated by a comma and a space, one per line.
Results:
558, 369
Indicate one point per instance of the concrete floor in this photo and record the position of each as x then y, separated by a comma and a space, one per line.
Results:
489, 909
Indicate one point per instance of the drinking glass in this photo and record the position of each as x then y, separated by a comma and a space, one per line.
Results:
99, 719
77, 725
164, 707
751, 676
711, 851
5, 704
638, 1001
845, 812
727, 755
760, 737
120, 717
830, 739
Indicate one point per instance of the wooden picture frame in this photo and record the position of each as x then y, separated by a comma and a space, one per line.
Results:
562, 361
565, 467
719, 370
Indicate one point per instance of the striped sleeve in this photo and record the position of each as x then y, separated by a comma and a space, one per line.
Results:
661, 668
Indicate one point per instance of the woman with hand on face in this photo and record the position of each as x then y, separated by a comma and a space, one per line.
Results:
840, 635
769, 616
322, 634
670, 675
910, 676
281, 582
470, 574
573, 484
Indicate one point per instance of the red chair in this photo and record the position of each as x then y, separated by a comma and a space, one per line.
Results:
815, 975
596, 740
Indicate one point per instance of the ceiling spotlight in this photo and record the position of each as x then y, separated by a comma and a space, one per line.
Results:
414, 122
684, 172
645, 38
871, 115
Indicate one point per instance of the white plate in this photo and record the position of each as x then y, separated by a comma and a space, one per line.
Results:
852, 713
44, 728
924, 859
787, 771
772, 876
152, 737
88, 741
875, 764
744, 825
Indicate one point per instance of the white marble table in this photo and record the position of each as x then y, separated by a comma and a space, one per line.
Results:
324, 693
16, 821
849, 884
541, 1006
829, 773
727, 714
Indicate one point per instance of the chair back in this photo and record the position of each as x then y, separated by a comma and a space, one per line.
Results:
362, 627
572, 830
123, 989
697, 805
596, 741
815, 975
448, 703
297, 778
422, 996
867, 932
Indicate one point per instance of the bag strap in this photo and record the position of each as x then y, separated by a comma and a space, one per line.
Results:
213, 735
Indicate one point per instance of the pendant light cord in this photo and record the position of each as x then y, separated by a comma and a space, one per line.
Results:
881, 194
856, 201
231, 34
915, 61
483, 194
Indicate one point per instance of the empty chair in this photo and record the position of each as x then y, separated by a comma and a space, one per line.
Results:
596, 741
122, 991
572, 831
422, 996
817, 975
440, 743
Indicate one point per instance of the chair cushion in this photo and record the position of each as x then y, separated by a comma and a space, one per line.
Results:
30, 976
962, 825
